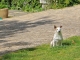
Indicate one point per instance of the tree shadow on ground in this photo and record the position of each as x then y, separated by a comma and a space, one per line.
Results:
21, 43
8, 28
2, 41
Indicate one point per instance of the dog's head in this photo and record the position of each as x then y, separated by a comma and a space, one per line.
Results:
58, 29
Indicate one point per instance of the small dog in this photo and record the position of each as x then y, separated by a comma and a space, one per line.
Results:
57, 39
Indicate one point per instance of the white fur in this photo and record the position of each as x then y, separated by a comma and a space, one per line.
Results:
57, 38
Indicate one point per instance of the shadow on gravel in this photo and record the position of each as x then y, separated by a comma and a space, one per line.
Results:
2, 41
8, 28
16, 44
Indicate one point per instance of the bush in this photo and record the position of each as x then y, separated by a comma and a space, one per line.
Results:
34, 5
3, 4
26, 5
62, 3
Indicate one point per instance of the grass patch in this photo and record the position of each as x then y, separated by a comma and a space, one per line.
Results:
69, 51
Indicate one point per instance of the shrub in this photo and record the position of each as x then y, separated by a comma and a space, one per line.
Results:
3, 4
34, 5
26, 5
62, 3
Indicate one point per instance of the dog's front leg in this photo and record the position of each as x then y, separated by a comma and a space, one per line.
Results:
52, 44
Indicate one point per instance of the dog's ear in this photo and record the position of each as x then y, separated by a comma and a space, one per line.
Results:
60, 26
54, 27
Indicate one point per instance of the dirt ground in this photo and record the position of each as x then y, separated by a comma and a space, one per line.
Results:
34, 29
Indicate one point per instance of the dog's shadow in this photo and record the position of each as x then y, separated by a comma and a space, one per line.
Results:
66, 43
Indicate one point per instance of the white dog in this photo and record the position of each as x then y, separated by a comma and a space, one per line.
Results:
57, 39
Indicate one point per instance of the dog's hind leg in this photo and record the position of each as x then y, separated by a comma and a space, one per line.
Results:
60, 43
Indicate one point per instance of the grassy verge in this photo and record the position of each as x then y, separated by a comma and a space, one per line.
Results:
69, 51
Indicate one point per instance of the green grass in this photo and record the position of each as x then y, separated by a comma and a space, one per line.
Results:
69, 51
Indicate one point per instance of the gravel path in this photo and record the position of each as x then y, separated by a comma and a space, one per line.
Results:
14, 13
34, 29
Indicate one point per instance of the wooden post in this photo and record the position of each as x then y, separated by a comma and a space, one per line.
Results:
44, 3
4, 13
